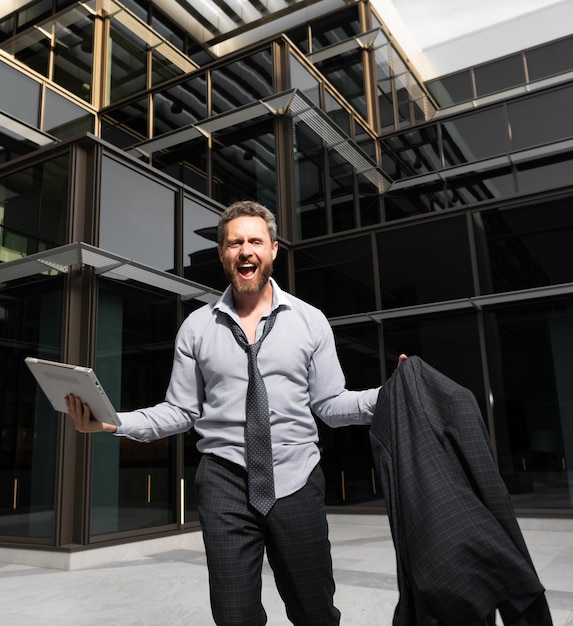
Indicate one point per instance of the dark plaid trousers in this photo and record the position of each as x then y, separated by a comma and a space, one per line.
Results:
294, 533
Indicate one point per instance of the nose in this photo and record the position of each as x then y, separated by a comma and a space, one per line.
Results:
246, 251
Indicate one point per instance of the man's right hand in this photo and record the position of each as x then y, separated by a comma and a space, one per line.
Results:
81, 416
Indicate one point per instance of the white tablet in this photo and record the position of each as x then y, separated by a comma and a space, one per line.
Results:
57, 380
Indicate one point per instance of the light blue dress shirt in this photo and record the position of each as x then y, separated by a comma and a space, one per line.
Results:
207, 390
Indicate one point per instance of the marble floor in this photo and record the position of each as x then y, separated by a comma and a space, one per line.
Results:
166, 585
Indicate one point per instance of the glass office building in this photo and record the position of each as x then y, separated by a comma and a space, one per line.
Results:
428, 217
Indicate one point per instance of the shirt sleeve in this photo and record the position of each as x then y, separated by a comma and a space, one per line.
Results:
329, 399
182, 405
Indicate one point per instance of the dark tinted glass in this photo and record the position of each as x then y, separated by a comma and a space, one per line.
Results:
19, 95
525, 247
345, 72
550, 173
541, 119
63, 118
35, 208
452, 89
144, 228
554, 58
334, 28
133, 484
415, 200
530, 348
479, 186
242, 82
180, 105
499, 75
244, 163
128, 64
336, 277
30, 325
412, 153
424, 263
126, 125
447, 342
475, 136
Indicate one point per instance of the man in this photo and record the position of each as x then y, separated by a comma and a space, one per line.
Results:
298, 363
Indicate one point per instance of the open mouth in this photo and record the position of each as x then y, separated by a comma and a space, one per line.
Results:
246, 271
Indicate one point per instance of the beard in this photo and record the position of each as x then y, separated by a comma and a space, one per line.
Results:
249, 287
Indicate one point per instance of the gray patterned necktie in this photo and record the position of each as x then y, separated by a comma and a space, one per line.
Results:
259, 453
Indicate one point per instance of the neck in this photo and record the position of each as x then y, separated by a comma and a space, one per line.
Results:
249, 304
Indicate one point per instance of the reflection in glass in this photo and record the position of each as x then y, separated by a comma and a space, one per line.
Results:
345, 71
517, 249
180, 105
434, 263
452, 89
242, 82
549, 60
500, 75
552, 114
479, 186
244, 162
475, 136
73, 37
335, 28
126, 125
200, 257
133, 483
546, 174
414, 200
336, 277
30, 325
63, 118
530, 348
19, 96
33, 209
309, 181
346, 457
303, 80
128, 63
143, 230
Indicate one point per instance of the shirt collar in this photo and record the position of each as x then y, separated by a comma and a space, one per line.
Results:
225, 302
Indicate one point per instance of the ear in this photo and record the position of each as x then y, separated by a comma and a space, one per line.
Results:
220, 253
275, 249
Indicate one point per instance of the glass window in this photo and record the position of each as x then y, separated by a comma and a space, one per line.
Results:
163, 68
480, 186
180, 105
303, 80
33, 209
530, 348
541, 119
370, 201
74, 53
337, 113
63, 118
412, 153
128, 63
200, 257
126, 125
448, 342
334, 28
545, 174
137, 216
346, 457
336, 277
550, 60
30, 325
414, 200
133, 484
299, 36
525, 247
341, 192
425, 263
499, 75
452, 89
475, 136
242, 82
19, 96
345, 73
309, 181
186, 162
244, 162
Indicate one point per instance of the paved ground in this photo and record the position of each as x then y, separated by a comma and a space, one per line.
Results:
168, 587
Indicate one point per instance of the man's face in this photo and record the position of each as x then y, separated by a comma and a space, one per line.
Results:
247, 254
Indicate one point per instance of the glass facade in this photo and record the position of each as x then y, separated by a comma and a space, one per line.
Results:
432, 219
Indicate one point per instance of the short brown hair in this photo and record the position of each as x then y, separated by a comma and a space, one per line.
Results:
246, 208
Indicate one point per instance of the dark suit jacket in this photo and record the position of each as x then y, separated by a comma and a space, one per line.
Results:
460, 552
